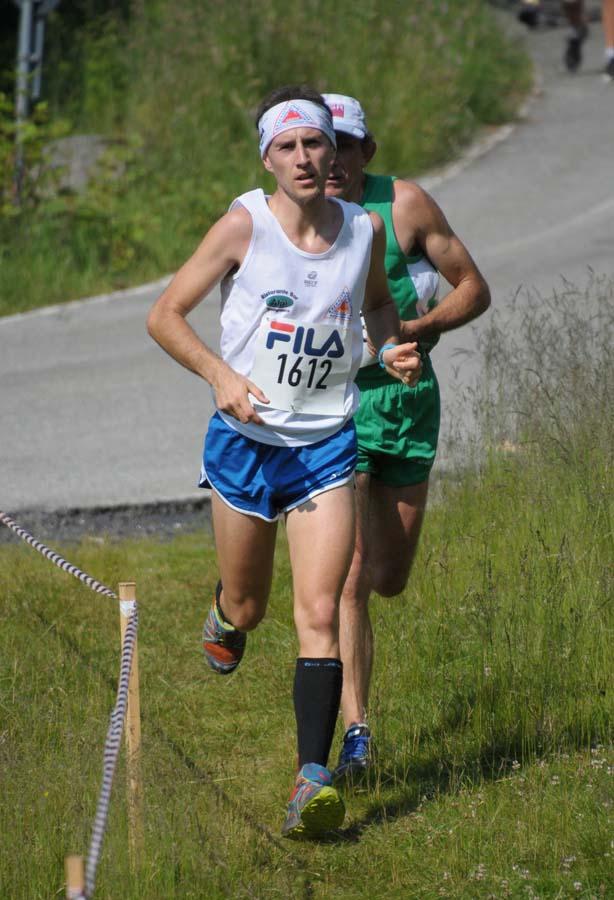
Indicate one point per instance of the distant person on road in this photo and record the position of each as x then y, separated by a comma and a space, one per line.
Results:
575, 14
397, 428
294, 269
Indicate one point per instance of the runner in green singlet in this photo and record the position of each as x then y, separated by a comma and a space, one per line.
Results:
397, 426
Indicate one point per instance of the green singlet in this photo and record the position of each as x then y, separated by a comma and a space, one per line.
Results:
398, 426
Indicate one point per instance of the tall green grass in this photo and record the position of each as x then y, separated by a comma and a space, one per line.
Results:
178, 84
492, 691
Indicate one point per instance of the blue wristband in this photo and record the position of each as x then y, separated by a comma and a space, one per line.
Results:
380, 354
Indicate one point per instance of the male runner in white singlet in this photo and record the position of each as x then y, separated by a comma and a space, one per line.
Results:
294, 269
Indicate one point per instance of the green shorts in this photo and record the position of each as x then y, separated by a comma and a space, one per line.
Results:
397, 427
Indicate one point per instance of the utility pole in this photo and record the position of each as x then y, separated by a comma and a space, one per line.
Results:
30, 42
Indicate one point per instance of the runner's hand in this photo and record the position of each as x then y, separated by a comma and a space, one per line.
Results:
404, 362
232, 397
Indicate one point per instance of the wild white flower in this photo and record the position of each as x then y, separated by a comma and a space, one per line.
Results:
480, 873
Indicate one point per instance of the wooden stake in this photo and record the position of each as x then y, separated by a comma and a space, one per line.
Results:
127, 598
75, 878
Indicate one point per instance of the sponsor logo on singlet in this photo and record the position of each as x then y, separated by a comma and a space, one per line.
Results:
279, 299
311, 279
302, 340
342, 307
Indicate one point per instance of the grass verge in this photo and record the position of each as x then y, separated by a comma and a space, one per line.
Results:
492, 697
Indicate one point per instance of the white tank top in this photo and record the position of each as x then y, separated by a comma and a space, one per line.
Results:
291, 323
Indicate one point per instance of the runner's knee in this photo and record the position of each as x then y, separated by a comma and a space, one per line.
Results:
245, 611
318, 617
390, 580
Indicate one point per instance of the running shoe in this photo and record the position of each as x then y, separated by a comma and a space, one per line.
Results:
573, 50
315, 807
608, 72
355, 755
223, 644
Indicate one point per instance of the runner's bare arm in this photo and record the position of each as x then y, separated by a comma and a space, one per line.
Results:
416, 213
221, 250
381, 316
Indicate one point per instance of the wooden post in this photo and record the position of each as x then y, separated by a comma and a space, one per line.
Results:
75, 878
127, 600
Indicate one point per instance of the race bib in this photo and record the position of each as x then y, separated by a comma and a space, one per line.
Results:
303, 368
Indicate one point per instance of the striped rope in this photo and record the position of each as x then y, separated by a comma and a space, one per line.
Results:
55, 558
111, 752
116, 725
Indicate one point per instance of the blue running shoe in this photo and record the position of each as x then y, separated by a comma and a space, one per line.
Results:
315, 807
355, 755
223, 644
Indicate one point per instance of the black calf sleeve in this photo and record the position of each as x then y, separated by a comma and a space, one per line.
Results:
317, 695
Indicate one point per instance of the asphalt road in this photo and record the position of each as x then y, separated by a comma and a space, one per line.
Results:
93, 414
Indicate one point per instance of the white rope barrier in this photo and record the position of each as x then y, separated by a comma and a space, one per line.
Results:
55, 558
111, 752
129, 614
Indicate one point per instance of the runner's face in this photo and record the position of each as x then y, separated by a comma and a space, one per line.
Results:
346, 176
300, 160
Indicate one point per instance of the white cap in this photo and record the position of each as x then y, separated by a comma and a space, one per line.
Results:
348, 115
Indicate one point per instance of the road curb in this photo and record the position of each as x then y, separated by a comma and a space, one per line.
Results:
98, 299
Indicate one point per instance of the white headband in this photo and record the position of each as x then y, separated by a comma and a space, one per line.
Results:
294, 114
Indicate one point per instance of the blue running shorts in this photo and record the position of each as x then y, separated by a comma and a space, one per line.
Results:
266, 481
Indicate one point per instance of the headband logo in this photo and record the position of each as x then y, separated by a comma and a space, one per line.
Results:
291, 113
338, 110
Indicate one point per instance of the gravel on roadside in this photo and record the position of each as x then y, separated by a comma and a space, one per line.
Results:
161, 520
